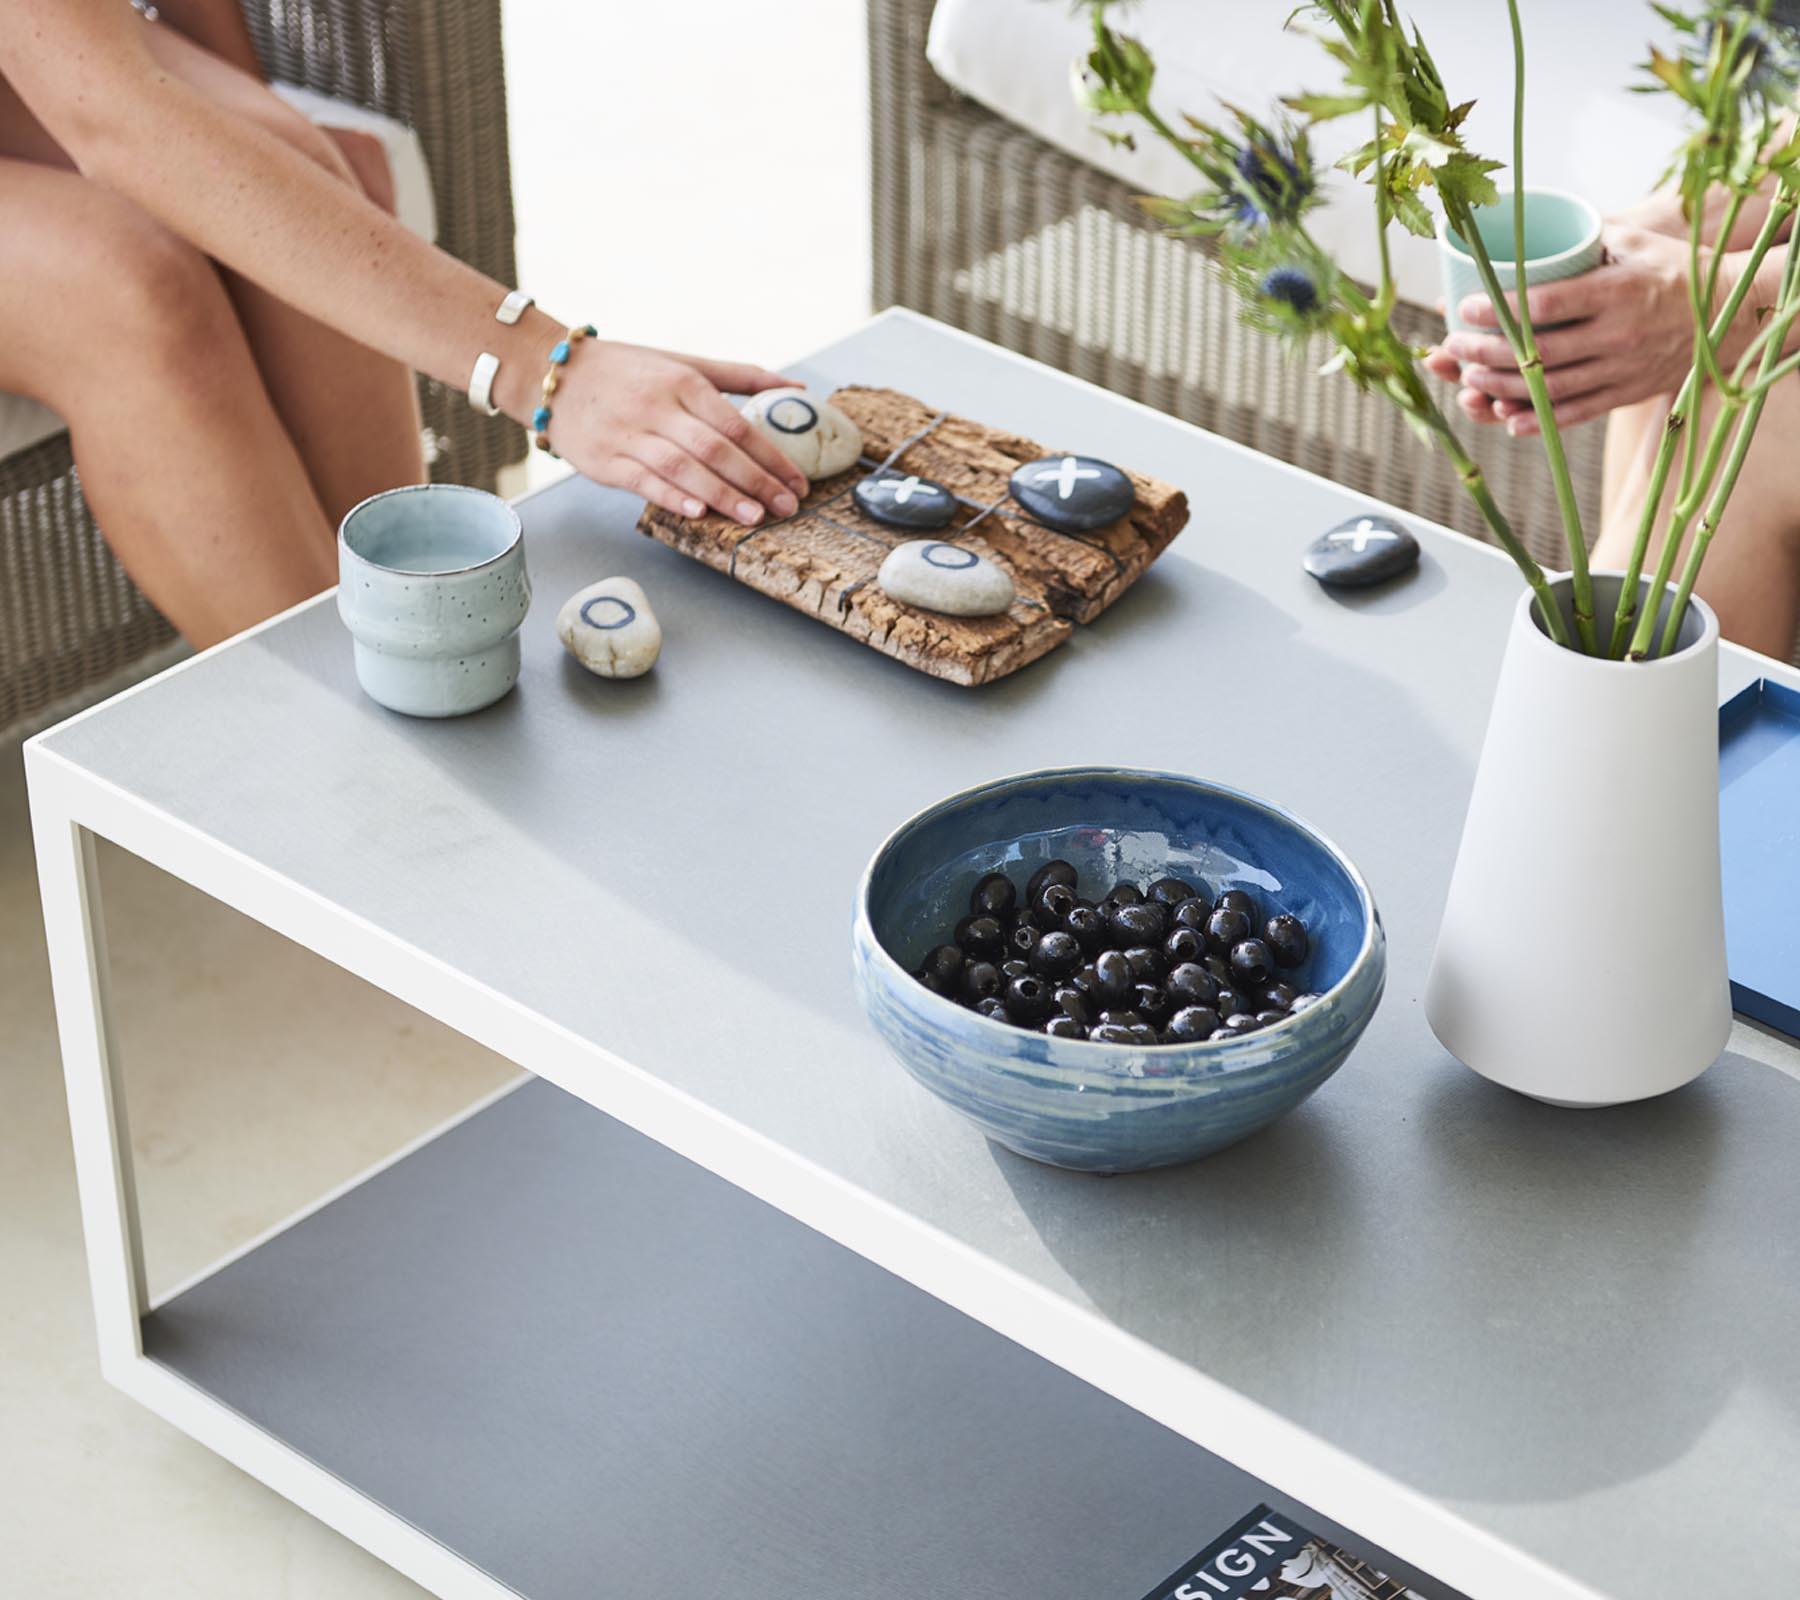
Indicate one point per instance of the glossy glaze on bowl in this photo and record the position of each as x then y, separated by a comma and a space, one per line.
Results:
1098, 1107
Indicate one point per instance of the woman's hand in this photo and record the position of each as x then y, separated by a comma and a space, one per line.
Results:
657, 425
1629, 335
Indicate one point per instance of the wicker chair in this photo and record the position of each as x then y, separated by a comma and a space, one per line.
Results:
70, 619
981, 224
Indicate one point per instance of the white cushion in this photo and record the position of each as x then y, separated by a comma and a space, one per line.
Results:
24, 422
1584, 130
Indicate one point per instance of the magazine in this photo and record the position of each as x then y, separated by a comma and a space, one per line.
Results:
1269, 1556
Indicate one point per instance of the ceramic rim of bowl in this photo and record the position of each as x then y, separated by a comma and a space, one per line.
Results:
1222, 1050
1596, 223
459, 489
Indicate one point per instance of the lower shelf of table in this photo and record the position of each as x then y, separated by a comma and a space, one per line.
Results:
589, 1367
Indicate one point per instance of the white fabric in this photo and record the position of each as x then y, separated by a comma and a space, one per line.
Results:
24, 422
1585, 131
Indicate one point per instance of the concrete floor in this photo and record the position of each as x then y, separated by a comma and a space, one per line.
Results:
258, 1076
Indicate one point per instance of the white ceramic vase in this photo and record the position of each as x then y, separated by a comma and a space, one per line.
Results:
1582, 954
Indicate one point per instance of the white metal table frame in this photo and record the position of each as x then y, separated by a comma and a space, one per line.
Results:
72, 808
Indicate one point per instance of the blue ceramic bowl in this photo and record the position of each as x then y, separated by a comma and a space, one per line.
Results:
1107, 1107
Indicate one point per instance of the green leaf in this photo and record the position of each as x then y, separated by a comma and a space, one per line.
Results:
1412, 213
1326, 107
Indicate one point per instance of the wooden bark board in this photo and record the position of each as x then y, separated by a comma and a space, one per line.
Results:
823, 559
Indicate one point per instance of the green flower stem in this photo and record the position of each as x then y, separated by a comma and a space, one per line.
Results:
1475, 482
1703, 341
1531, 366
1740, 448
1384, 295
1685, 509
1680, 421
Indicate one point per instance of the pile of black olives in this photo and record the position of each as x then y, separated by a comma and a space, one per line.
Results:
1166, 963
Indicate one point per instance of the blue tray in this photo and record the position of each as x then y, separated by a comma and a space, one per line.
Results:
1759, 840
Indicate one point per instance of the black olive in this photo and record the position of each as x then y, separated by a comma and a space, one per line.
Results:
1088, 924
1122, 894
1147, 963
1279, 996
1191, 914
1151, 1002
1286, 936
1057, 955
1223, 1032
945, 962
1171, 891
1228, 925
980, 981
1050, 872
1124, 1017
1086, 979
1014, 968
1143, 922
1192, 985
933, 982
1217, 965
992, 1006
1061, 1027
1190, 1025
1052, 906
992, 896
1252, 964
1301, 1001
1143, 1033
1184, 944
1027, 1000
981, 938
1114, 974
1237, 900
1243, 1022
1230, 1002
1023, 940
1268, 1018
1111, 1033
1073, 1003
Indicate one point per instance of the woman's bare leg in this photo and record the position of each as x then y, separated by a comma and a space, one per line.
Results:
1752, 572
128, 333
352, 413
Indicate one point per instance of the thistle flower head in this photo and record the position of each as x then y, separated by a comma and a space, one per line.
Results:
1289, 286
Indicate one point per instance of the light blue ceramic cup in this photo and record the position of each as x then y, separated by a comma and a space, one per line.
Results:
1562, 240
433, 588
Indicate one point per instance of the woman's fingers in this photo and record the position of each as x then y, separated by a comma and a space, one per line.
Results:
1566, 300
727, 463
714, 411
1571, 413
1562, 347
739, 377
1562, 383
1441, 364
622, 472
1476, 406
669, 462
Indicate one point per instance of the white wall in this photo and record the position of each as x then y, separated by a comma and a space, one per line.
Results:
693, 173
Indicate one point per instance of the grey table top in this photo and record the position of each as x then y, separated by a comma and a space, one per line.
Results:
1571, 1329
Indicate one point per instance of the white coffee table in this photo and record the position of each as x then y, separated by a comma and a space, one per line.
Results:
1538, 1355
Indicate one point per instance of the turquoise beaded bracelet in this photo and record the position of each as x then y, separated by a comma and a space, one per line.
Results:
559, 358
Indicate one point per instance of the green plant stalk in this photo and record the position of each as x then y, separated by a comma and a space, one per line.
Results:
1740, 448
1683, 409
1703, 343
1532, 369
1474, 482
1580, 584
1679, 521
1384, 294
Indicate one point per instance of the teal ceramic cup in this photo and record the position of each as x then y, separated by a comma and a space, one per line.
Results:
1562, 240
433, 588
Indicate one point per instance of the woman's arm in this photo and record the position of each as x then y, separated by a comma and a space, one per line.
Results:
217, 26
635, 418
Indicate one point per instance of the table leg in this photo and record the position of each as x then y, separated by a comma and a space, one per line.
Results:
69, 886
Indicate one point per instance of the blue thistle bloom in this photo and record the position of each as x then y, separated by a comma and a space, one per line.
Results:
1273, 178
1291, 287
